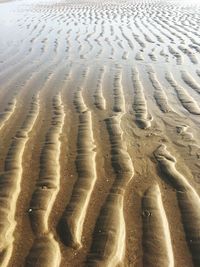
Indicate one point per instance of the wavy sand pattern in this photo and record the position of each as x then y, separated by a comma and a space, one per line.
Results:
99, 127
75, 213
187, 197
48, 182
108, 247
45, 250
11, 179
186, 100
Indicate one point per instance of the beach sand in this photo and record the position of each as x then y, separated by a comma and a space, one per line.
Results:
99, 133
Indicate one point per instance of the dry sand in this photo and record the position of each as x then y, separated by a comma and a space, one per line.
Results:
99, 133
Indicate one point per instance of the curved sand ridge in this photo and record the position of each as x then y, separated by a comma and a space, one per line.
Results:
148, 38
74, 216
156, 235
45, 251
140, 103
176, 54
78, 95
178, 31
147, 26
79, 101
119, 102
159, 94
189, 80
126, 37
186, 100
10, 182
108, 246
7, 113
139, 41
189, 53
100, 101
188, 199
155, 24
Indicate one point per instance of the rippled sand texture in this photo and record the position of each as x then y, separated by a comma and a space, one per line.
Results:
99, 133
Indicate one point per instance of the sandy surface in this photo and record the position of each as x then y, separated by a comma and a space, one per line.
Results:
99, 133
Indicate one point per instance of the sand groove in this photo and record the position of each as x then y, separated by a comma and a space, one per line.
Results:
176, 54
10, 182
159, 94
188, 199
156, 235
108, 246
186, 100
48, 183
140, 104
45, 250
76, 210
119, 102
79, 101
100, 101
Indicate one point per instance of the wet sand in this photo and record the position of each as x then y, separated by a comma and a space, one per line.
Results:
99, 127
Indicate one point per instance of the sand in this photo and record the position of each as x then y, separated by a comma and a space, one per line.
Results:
99, 133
